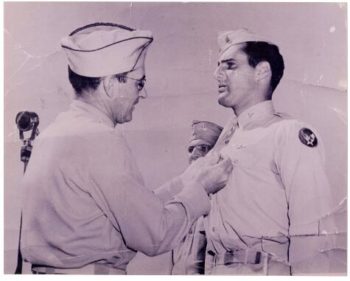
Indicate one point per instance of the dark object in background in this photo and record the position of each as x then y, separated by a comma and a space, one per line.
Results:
25, 121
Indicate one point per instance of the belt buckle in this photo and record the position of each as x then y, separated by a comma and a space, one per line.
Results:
252, 257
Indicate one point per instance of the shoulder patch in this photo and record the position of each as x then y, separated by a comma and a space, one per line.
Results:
307, 137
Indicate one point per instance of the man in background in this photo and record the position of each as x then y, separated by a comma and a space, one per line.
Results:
189, 257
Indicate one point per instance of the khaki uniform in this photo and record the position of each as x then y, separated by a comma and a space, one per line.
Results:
278, 190
189, 257
86, 203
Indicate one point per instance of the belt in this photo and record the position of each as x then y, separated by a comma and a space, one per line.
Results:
247, 256
94, 268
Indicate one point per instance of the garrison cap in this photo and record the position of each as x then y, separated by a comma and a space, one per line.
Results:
204, 132
226, 39
102, 49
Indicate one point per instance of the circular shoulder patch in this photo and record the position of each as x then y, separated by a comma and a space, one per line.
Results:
307, 137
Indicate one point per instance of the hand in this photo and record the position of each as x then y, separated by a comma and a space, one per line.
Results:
211, 171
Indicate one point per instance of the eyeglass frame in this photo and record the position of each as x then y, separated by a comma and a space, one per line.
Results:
140, 82
200, 146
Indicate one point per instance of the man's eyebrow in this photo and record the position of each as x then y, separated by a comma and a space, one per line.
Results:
227, 60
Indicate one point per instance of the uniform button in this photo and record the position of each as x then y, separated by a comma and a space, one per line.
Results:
213, 229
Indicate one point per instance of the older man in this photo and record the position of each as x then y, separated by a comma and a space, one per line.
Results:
86, 209
273, 217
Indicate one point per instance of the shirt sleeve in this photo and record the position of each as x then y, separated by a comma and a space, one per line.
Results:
168, 190
300, 163
146, 223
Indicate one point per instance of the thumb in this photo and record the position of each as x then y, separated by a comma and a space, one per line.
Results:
226, 164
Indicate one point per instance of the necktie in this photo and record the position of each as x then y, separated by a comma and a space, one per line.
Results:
226, 135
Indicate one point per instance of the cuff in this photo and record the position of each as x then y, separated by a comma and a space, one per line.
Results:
195, 200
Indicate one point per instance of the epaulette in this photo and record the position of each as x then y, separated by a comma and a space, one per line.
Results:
283, 115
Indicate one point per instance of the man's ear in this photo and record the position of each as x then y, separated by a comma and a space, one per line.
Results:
262, 70
107, 84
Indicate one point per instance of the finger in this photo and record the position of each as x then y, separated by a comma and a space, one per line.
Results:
221, 157
226, 164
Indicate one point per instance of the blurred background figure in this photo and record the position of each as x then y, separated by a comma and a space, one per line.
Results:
204, 137
189, 257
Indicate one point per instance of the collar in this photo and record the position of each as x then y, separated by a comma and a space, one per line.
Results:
92, 112
256, 113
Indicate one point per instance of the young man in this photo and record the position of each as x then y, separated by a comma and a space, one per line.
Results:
86, 209
273, 215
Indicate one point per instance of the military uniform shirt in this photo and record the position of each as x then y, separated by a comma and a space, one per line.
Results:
278, 187
85, 199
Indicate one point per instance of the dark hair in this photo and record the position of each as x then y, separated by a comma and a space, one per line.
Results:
81, 83
263, 51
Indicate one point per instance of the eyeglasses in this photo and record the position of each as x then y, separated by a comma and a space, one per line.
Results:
140, 83
203, 148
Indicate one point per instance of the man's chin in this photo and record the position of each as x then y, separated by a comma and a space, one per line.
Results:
222, 101
124, 119
127, 119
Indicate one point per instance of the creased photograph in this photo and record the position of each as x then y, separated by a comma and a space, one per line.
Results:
159, 138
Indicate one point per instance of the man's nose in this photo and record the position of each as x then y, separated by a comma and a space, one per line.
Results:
218, 74
143, 93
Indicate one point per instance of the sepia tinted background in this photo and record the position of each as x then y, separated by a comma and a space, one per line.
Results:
180, 64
